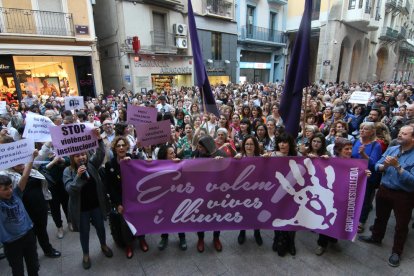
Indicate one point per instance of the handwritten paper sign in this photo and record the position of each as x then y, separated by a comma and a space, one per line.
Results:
154, 133
74, 102
141, 114
360, 97
73, 138
37, 127
3, 109
283, 193
16, 153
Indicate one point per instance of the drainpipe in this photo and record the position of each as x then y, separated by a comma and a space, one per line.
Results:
325, 40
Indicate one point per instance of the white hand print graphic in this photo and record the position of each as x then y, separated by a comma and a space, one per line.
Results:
316, 202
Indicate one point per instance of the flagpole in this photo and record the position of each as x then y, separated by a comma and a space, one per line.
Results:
204, 108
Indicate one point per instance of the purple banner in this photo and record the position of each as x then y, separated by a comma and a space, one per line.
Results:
285, 193
73, 138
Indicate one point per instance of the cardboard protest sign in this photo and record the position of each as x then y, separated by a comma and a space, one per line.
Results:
141, 114
360, 97
154, 133
37, 127
3, 109
73, 138
16, 153
74, 102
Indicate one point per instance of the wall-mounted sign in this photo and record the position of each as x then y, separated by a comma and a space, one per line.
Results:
255, 65
82, 29
6, 63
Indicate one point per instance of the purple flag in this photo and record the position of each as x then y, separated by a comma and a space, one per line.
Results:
285, 193
298, 75
200, 69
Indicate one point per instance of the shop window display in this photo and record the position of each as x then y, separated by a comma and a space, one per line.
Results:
8, 89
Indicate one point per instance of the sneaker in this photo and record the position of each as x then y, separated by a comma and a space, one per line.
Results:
394, 260
163, 244
369, 239
53, 254
183, 244
60, 233
70, 227
320, 250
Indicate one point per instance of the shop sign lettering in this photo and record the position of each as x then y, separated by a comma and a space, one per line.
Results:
177, 70
151, 63
215, 70
4, 67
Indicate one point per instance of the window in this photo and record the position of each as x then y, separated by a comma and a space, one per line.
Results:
352, 4
316, 9
250, 20
273, 21
216, 46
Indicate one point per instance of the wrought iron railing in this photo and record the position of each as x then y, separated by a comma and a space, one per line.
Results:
21, 21
388, 34
263, 34
223, 8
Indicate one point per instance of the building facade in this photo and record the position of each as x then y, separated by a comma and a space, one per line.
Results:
358, 40
164, 60
261, 45
48, 46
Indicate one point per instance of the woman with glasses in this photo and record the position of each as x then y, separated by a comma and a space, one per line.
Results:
249, 148
366, 147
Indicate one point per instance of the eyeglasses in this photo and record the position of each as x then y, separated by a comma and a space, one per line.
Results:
121, 145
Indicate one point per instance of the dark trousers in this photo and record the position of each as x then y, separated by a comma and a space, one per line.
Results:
23, 248
368, 198
126, 233
39, 218
216, 234
324, 240
402, 204
96, 217
59, 198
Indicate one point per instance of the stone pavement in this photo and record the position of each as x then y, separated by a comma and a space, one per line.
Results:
354, 258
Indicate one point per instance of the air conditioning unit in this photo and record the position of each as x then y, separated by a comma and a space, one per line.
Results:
180, 29
181, 42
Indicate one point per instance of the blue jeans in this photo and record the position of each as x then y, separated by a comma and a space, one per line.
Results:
97, 219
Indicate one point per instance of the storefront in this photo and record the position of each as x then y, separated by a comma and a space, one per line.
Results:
45, 76
162, 73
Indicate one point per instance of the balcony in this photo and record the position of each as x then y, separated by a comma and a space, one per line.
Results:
34, 22
251, 32
218, 8
163, 43
406, 48
279, 2
388, 34
165, 3
360, 18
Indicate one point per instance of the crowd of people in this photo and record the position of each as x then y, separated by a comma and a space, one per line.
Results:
86, 185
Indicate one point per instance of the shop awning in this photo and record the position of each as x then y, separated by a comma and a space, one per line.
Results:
45, 50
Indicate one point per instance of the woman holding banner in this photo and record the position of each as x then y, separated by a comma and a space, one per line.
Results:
342, 149
166, 152
120, 147
284, 241
250, 148
87, 197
